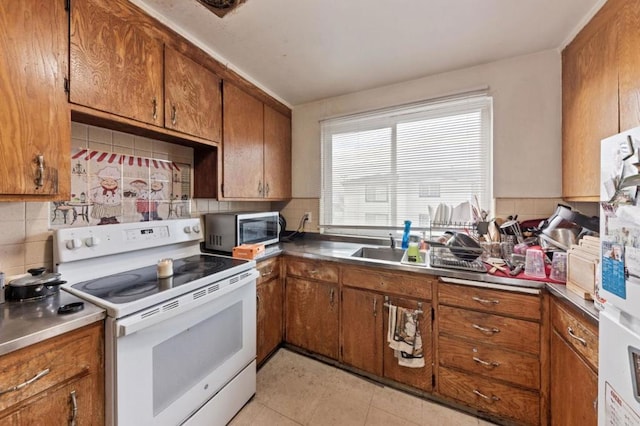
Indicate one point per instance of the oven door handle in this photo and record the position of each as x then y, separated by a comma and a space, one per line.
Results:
171, 308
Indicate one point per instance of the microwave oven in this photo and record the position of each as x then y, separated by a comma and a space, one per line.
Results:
224, 231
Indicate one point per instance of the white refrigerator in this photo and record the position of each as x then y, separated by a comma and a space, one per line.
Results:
618, 294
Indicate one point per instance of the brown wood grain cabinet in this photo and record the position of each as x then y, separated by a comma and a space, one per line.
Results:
256, 160
116, 66
600, 93
491, 353
192, 97
270, 305
574, 374
34, 114
70, 379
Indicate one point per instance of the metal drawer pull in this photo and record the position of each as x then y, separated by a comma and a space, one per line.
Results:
491, 398
39, 180
486, 330
489, 364
313, 271
266, 274
485, 301
74, 408
579, 339
28, 382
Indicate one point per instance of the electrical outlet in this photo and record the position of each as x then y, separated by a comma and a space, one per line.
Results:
308, 216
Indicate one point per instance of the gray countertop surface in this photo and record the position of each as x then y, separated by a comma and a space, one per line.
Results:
25, 323
342, 251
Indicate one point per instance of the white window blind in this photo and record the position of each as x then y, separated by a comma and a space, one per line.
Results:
384, 167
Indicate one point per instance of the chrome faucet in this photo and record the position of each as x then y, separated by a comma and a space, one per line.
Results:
393, 241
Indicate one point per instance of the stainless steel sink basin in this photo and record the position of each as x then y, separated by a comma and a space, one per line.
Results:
380, 253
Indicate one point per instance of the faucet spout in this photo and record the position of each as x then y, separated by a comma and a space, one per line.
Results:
393, 241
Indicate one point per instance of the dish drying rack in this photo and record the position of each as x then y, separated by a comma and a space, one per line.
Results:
441, 257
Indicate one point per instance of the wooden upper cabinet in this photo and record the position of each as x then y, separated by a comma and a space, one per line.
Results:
629, 66
116, 66
34, 114
277, 154
589, 107
193, 97
243, 155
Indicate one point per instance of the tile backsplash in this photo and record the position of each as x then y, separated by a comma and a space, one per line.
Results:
26, 237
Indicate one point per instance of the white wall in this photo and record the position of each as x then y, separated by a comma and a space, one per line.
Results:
527, 118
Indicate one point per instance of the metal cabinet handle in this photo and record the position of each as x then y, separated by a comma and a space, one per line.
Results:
313, 271
491, 398
489, 364
578, 338
267, 273
174, 115
266, 189
488, 331
485, 301
375, 305
260, 188
257, 300
28, 382
331, 295
74, 408
39, 180
154, 110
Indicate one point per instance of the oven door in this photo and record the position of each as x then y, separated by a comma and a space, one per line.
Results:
162, 374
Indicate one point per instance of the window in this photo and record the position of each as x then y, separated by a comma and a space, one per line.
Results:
384, 167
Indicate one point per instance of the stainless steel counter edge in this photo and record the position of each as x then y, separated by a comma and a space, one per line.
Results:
25, 323
342, 251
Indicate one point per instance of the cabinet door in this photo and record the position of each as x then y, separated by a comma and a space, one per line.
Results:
115, 66
629, 69
193, 97
312, 316
270, 317
574, 387
56, 407
420, 378
362, 331
242, 147
277, 154
34, 114
589, 109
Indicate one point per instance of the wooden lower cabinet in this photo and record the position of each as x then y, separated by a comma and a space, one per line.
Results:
70, 380
362, 338
312, 315
269, 305
574, 376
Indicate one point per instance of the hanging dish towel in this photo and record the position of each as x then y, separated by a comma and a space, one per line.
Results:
404, 337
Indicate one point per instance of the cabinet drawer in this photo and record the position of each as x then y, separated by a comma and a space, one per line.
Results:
53, 362
510, 333
489, 300
501, 400
490, 361
580, 334
316, 269
268, 269
414, 286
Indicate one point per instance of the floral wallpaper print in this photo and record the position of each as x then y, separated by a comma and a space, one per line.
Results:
109, 188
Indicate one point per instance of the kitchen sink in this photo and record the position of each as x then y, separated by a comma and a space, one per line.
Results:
380, 253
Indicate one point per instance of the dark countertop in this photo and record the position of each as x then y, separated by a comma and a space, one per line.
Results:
25, 323
342, 251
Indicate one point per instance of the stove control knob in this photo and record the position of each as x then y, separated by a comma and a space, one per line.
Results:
187, 230
196, 229
75, 243
92, 241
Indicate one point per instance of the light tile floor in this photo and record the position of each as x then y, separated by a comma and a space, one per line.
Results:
295, 390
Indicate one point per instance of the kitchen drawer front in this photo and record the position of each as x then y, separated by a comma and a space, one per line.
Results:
268, 269
510, 333
581, 335
54, 361
489, 300
413, 286
315, 269
490, 361
504, 401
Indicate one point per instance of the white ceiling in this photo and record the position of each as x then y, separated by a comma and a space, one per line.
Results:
305, 50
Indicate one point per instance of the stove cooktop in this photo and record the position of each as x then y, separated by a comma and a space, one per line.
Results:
136, 284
